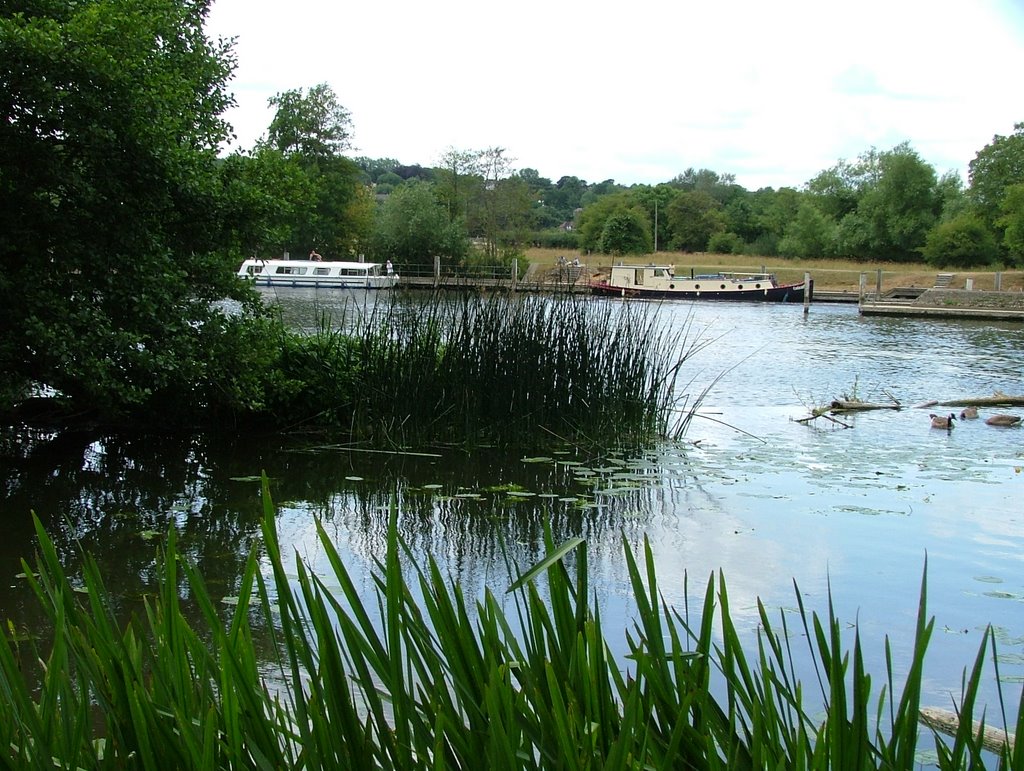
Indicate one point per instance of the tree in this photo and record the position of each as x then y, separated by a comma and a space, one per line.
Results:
315, 125
837, 190
951, 196
593, 218
996, 167
454, 175
311, 132
963, 242
412, 227
495, 167
113, 241
1012, 222
693, 217
900, 207
626, 232
811, 234
566, 197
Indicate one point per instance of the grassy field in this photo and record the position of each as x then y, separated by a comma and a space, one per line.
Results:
829, 275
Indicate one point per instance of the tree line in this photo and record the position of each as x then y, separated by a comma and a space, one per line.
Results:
886, 205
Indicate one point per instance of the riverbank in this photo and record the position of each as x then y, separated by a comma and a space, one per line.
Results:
828, 275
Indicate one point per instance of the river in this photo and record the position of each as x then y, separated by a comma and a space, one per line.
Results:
750, 491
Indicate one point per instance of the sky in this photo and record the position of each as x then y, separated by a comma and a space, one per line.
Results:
642, 90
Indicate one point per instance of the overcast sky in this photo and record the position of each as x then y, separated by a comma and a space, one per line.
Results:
639, 91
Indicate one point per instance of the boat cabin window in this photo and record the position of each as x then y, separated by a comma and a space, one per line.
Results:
321, 271
351, 272
252, 270
660, 272
291, 270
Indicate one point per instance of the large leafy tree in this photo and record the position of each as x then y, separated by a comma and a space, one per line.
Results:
111, 204
901, 206
312, 124
810, 234
593, 217
311, 131
962, 242
1012, 222
412, 227
693, 217
996, 167
626, 232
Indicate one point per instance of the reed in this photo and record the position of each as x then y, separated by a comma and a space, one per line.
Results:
424, 677
518, 369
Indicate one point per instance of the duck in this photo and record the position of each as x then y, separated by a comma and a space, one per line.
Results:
941, 421
1003, 420
969, 413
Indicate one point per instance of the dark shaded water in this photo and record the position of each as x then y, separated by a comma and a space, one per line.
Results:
751, 492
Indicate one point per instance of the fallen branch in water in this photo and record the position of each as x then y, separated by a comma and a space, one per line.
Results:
998, 399
853, 405
948, 722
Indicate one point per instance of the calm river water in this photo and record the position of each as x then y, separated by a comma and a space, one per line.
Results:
751, 492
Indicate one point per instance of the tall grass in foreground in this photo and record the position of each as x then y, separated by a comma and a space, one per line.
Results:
512, 369
445, 682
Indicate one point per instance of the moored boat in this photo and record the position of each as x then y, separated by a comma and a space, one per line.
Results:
662, 281
318, 273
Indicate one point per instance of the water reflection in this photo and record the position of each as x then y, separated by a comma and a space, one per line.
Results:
752, 492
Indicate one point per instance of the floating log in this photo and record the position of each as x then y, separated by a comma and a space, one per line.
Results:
853, 404
998, 400
948, 722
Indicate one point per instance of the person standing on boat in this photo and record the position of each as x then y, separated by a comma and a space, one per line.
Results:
314, 255
389, 268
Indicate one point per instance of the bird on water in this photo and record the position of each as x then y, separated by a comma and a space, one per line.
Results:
942, 421
1003, 420
969, 413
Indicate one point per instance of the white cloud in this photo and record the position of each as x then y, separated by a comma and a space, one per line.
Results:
638, 92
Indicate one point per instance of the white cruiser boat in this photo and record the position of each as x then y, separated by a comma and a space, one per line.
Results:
318, 273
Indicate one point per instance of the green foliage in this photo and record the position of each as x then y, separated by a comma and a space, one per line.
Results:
725, 243
626, 232
557, 239
266, 195
113, 240
900, 207
997, 166
963, 242
1012, 222
592, 219
420, 676
693, 217
412, 227
810, 234
334, 214
313, 125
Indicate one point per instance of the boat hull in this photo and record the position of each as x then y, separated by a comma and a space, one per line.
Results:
788, 293
325, 283
319, 274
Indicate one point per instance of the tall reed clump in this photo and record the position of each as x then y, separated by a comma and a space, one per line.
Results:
517, 369
423, 677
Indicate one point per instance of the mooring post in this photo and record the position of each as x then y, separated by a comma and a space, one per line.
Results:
878, 286
807, 292
998, 281
863, 288
515, 273
437, 270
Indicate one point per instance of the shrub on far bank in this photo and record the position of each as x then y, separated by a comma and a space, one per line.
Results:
963, 242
